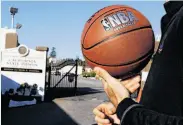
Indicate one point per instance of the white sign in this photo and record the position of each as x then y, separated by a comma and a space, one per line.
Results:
23, 70
12, 59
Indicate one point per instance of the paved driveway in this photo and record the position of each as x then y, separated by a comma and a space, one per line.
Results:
75, 110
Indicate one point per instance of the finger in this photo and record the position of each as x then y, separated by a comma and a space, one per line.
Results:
137, 78
102, 121
109, 92
110, 81
113, 110
97, 77
133, 88
104, 83
109, 111
100, 124
104, 124
132, 82
104, 74
115, 118
110, 119
97, 112
125, 82
105, 89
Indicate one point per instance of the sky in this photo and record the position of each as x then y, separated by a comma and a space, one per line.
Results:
60, 24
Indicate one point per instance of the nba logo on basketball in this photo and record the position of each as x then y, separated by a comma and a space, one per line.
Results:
118, 20
106, 24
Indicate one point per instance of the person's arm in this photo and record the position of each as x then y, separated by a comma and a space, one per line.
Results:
131, 113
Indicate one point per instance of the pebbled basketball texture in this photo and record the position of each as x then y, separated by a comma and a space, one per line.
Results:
119, 39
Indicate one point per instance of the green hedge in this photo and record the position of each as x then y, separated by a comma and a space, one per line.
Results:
88, 74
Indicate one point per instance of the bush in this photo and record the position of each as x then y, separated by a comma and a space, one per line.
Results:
88, 74
83, 74
92, 74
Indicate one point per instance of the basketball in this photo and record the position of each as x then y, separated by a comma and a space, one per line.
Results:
119, 39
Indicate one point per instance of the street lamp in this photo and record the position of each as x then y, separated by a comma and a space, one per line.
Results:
13, 11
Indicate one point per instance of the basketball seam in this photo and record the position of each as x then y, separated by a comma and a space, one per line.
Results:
123, 64
113, 36
99, 17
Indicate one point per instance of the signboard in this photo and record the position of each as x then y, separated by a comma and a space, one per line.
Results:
23, 71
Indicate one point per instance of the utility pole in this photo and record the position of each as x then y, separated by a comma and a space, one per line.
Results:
13, 11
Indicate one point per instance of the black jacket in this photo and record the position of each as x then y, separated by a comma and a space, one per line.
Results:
162, 97
132, 113
163, 90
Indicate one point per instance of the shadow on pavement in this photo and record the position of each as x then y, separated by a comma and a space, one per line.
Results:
39, 114
69, 92
87, 90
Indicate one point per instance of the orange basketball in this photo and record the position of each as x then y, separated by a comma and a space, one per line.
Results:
119, 39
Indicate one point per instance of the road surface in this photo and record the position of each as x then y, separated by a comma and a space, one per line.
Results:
76, 110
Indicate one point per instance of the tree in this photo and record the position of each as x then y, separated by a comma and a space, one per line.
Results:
53, 52
80, 62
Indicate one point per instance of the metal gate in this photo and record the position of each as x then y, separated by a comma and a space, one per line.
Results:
61, 79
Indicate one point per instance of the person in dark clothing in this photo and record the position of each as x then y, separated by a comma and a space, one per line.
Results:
164, 84
162, 96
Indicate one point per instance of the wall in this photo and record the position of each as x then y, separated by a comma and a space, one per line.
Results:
8, 38
18, 69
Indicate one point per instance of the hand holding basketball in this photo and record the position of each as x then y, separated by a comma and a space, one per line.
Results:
105, 113
115, 91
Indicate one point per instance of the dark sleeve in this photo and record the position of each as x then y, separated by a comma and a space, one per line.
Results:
180, 27
132, 113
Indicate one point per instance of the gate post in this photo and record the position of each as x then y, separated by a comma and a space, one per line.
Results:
76, 74
49, 77
47, 85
